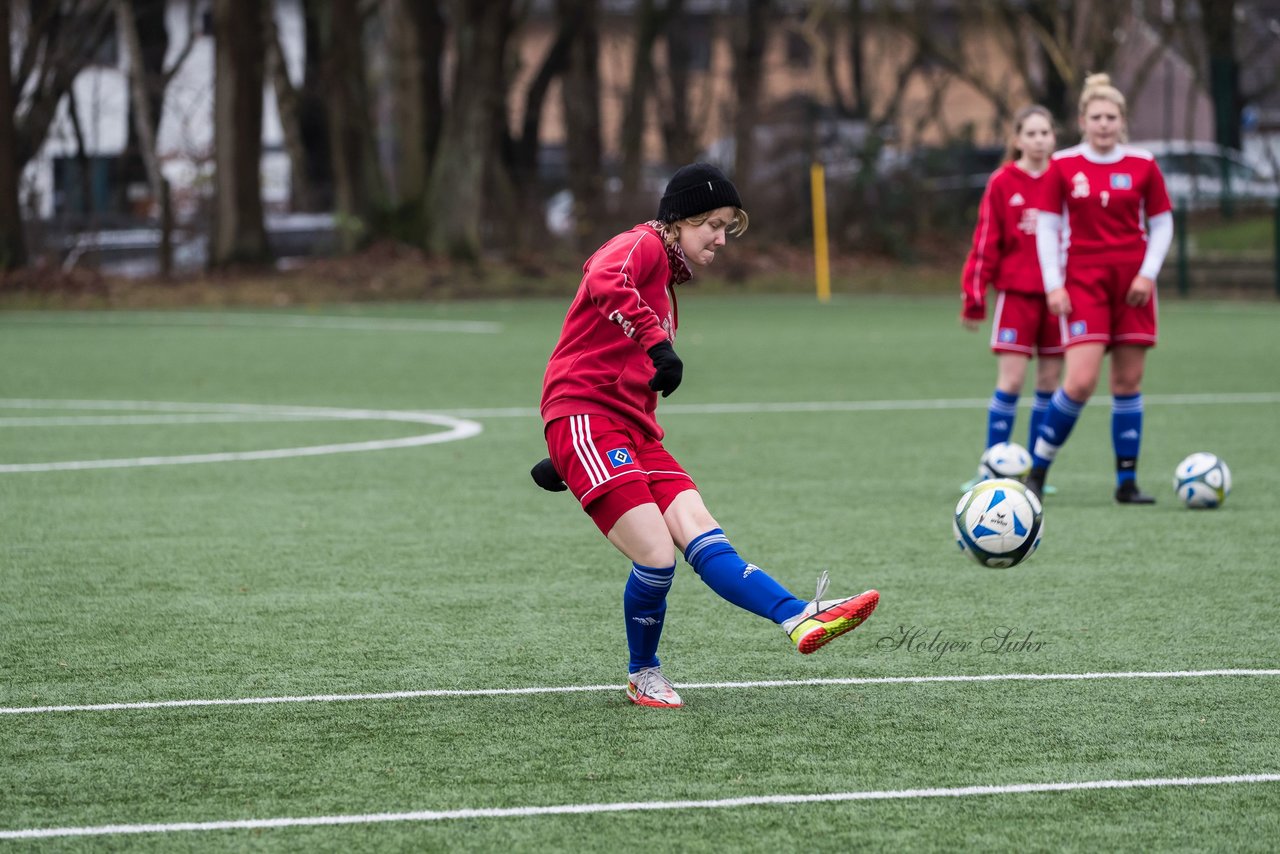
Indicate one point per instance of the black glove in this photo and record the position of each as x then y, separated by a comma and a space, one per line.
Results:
545, 475
668, 369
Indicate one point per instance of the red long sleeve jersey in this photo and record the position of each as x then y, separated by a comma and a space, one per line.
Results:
1004, 240
1103, 203
624, 305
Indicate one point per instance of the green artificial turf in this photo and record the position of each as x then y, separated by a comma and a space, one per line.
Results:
443, 567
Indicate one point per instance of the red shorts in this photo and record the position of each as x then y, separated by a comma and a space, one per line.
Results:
1021, 323
611, 467
1099, 313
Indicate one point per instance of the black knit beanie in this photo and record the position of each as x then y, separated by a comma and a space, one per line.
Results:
694, 189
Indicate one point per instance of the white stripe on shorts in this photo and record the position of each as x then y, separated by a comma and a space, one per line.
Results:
580, 428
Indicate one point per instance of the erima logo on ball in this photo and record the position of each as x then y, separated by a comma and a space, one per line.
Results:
619, 457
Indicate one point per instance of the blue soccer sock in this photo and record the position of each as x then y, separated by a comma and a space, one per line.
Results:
1056, 427
744, 584
1126, 434
1039, 409
1000, 414
644, 604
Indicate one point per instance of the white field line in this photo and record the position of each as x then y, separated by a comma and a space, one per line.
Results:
215, 320
639, 806
582, 689
454, 429
886, 405
139, 420
460, 427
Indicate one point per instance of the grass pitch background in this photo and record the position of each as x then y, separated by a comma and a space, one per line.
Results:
443, 567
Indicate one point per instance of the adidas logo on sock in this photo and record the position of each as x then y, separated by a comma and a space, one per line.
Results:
751, 567
1129, 434
646, 621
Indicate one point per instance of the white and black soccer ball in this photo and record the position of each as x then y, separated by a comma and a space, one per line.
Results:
1202, 480
1005, 459
998, 523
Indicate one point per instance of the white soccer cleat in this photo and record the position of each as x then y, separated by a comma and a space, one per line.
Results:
648, 687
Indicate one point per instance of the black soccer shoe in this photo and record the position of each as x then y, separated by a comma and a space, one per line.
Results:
1035, 483
1129, 493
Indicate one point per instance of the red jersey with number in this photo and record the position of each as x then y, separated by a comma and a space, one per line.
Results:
625, 304
1103, 200
1004, 240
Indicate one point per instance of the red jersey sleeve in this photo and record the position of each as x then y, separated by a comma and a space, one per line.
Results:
1156, 200
615, 276
983, 264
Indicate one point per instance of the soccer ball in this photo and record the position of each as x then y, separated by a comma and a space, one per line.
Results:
1202, 480
998, 523
1005, 459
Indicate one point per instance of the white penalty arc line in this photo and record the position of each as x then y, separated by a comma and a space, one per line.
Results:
456, 428
582, 689
640, 806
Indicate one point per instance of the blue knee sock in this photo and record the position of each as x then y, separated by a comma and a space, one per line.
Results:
644, 604
744, 584
1000, 414
1126, 434
1038, 411
1058, 421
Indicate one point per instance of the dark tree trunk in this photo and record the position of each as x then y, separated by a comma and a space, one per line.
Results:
677, 127
455, 205
13, 248
153, 36
649, 22
59, 40
1056, 94
749, 73
312, 112
1224, 71
350, 124
239, 235
521, 153
582, 121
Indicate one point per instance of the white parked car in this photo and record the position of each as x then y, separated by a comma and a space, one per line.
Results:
1194, 172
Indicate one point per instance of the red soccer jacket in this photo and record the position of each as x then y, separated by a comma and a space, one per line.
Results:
1004, 241
624, 305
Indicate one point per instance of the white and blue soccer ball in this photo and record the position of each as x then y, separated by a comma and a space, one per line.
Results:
1005, 460
998, 523
1202, 480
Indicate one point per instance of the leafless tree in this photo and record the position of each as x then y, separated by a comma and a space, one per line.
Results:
455, 194
53, 43
581, 99
146, 96
239, 233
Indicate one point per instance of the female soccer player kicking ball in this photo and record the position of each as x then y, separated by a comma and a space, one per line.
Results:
599, 400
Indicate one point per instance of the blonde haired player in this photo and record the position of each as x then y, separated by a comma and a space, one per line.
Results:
599, 406
1110, 200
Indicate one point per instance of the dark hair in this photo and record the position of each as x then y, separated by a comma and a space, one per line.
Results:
1013, 152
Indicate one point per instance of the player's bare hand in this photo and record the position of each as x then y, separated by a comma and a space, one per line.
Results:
970, 324
1139, 293
1059, 302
